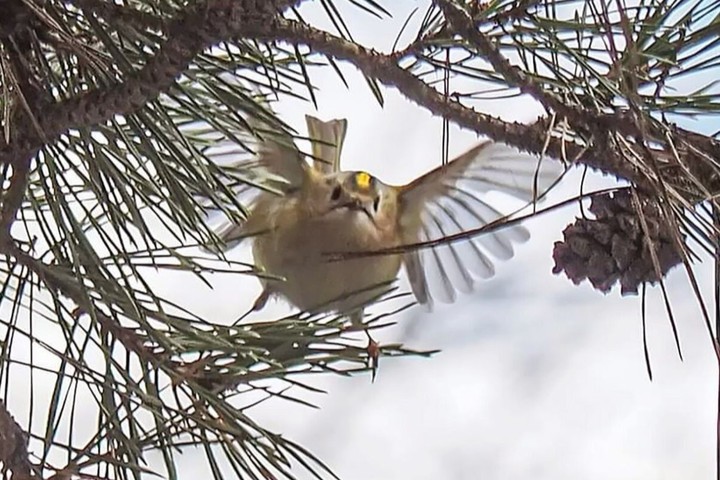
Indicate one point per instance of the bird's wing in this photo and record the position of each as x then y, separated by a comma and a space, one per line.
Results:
327, 142
448, 200
277, 167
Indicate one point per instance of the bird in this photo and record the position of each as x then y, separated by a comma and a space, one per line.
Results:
306, 213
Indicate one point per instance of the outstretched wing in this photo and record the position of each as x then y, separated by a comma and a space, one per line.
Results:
279, 167
448, 200
276, 166
327, 142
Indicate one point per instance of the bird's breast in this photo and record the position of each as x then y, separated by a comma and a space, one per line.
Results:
305, 253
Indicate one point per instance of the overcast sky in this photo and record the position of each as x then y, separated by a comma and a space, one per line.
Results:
536, 379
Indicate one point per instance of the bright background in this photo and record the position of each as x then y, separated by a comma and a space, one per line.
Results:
537, 378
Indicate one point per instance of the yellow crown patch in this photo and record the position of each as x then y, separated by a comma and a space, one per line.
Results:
363, 180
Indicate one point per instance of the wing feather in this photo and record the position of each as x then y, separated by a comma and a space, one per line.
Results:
500, 242
418, 282
327, 142
439, 283
448, 201
277, 167
451, 258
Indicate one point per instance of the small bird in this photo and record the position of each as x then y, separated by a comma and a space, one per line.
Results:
318, 210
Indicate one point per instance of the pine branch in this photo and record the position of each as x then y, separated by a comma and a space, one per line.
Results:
461, 23
384, 68
122, 14
126, 61
194, 30
13, 447
597, 151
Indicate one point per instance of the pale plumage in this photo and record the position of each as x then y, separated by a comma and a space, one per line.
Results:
323, 210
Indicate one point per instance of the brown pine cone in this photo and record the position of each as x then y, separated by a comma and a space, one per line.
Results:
613, 246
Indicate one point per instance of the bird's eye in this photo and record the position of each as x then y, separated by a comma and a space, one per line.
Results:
335, 193
376, 203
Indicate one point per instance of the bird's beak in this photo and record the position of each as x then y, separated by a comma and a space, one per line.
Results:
357, 204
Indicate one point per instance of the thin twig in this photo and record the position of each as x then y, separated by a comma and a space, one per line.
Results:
205, 24
716, 222
384, 68
124, 14
499, 224
462, 24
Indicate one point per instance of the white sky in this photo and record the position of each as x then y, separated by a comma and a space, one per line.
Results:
536, 379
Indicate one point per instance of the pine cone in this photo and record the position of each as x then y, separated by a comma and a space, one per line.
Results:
613, 247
